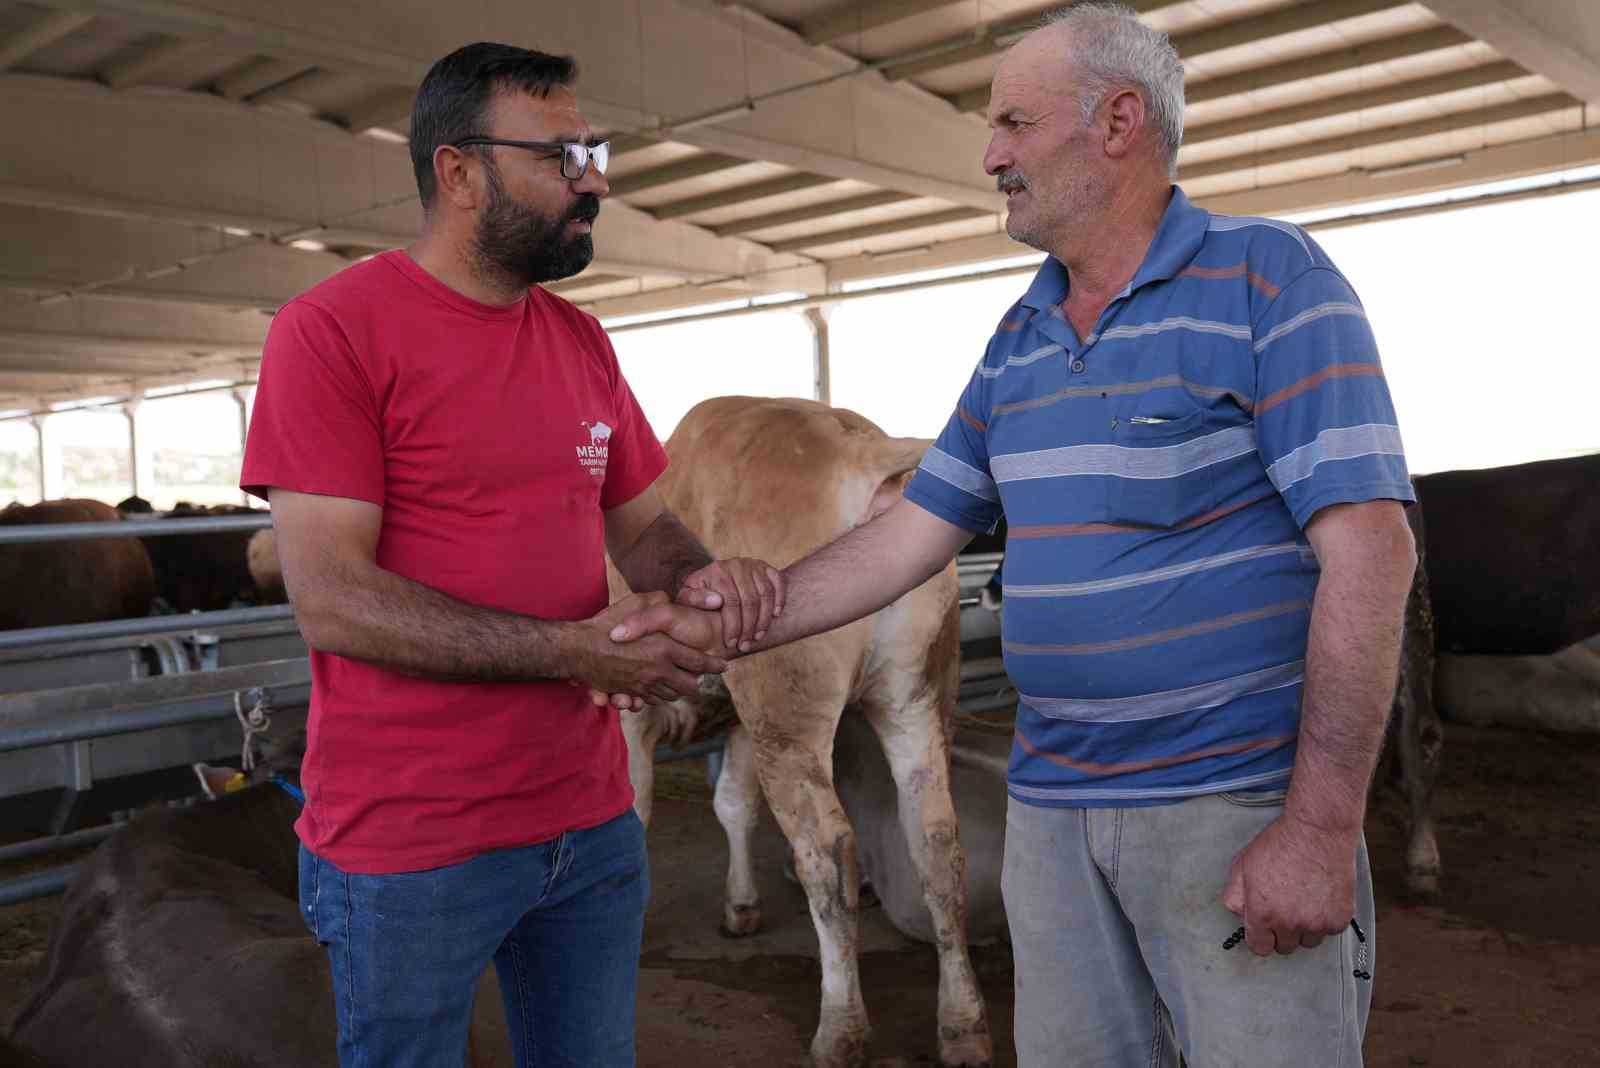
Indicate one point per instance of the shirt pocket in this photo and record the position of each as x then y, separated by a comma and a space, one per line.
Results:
1162, 478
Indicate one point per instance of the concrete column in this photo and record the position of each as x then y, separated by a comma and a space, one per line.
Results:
52, 469
141, 458
241, 396
37, 421
822, 379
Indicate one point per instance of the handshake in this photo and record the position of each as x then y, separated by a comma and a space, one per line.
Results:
649, 648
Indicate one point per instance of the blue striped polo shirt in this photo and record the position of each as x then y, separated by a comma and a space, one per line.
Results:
1156, 478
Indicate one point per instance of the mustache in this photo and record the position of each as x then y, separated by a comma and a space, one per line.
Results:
585, 210
1010, 181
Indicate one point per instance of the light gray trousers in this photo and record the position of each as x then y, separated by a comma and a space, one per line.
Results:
1117, 928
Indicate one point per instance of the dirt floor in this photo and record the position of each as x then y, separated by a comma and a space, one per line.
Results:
1502, 971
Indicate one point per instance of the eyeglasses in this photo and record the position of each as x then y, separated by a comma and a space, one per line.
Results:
575, 156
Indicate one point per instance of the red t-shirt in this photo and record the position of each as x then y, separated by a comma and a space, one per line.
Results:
493, 438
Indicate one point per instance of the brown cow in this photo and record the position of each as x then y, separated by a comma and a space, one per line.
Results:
83, 581
180, 945
774, 479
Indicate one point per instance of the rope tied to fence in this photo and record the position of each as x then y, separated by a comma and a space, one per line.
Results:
256, 721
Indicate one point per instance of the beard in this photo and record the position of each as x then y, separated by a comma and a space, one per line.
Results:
526, 246
1055, 211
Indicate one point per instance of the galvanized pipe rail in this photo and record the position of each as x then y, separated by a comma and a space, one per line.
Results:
24, 533
122, 628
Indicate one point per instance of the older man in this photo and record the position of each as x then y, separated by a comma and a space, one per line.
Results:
1185, 424
450, 452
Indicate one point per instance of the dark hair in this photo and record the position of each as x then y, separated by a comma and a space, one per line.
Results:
454, 95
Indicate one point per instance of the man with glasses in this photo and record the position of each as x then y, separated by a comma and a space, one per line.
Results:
450, 452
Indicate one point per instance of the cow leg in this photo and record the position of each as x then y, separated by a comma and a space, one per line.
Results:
1420, 736
791, 708
641, 731
737, 803
910, 721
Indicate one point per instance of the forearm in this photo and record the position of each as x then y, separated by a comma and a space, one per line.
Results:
1352, 661
388, 620
863, 571
661, 556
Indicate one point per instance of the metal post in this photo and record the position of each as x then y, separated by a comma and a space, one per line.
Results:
822, 380
38, 436
130, 412
238, 393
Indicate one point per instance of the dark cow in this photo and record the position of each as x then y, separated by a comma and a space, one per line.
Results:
12, 1056
83, 581
180, 945
204, 572
1514, 559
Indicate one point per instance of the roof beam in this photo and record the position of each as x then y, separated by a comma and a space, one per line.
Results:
1337, 61
856, 16
63, 345
1558, 40
634, 77
42, 32
861, 233
1463, 120
138, 65
1518, 159
1347, 103
391, 107
285, 176
1252, 29
1367, 54
810, 212
743, 194
681, 171
256, 74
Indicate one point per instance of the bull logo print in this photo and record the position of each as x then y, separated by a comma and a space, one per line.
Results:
593, 456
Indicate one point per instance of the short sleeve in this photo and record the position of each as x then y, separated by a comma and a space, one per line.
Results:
636, 459
315, 427
1326, 429
953, 481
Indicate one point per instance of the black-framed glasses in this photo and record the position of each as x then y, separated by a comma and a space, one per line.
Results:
575, 155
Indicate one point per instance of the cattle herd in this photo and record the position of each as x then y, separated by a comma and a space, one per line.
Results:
180, 936
60, 582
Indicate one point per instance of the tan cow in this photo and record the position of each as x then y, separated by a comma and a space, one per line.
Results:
775, 479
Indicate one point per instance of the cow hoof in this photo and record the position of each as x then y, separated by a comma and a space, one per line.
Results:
1424, 886
965, 1047
840, 1046
740, 921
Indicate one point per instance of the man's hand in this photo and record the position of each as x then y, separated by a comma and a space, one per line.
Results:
1293, 885
662, 666
749, 593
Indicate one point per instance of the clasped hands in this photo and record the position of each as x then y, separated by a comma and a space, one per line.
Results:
649, 648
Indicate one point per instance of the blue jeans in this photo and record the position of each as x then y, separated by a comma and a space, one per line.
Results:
562, 920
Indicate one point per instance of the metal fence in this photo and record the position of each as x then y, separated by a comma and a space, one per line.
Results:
71, 716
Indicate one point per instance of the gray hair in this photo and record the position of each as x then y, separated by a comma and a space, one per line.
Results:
1112, 49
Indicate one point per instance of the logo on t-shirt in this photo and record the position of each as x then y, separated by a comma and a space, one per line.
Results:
593, 455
